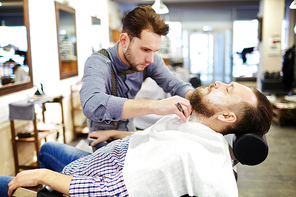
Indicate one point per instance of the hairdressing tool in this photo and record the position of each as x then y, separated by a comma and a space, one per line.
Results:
179, 106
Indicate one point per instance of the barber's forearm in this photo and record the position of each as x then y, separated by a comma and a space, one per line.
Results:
136, 107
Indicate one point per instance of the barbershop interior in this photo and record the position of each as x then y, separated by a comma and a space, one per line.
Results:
44, 46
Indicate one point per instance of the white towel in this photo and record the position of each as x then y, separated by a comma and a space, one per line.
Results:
172, 158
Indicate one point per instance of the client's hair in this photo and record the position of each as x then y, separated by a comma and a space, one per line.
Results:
250, 118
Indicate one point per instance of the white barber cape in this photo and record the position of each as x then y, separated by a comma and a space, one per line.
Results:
172, 158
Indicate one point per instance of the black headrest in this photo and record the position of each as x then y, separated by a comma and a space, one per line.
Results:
250, 148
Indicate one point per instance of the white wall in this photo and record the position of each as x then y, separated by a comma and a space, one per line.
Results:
272, 12
272, 25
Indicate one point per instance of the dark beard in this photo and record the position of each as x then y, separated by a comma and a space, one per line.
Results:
129, 58
199, 105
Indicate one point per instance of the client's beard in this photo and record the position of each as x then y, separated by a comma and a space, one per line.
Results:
199, 106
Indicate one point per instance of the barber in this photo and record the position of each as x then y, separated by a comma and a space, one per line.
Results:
109, 103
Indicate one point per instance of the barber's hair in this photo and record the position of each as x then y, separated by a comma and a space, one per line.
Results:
252, 118
141, 18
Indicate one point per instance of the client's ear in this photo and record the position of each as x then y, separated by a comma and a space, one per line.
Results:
228, 117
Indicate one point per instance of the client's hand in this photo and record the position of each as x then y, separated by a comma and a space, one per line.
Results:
31, 178
104, 135
100, 136
27, 178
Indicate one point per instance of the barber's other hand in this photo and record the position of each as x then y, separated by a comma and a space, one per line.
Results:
101, 136
167, 106
27, 178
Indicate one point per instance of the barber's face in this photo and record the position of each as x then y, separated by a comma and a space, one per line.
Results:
140, 52
221, 95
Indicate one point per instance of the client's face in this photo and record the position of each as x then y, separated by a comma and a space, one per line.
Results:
208, 100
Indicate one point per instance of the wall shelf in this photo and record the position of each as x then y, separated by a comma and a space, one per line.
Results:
37, 135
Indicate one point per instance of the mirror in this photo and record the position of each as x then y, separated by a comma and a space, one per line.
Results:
15, 56
66, 31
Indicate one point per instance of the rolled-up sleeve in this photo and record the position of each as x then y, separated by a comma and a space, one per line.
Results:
100, 174
95, 95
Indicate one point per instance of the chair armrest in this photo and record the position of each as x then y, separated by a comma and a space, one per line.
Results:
48, 192
27, 191
37, 191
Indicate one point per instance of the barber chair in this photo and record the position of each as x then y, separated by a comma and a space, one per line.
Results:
247, 148
250, 148
38, 191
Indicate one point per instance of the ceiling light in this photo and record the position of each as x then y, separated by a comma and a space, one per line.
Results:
207, 28
0, 4
159, 7
293, 5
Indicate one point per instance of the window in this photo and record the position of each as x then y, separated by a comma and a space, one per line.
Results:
245, 54
201, 55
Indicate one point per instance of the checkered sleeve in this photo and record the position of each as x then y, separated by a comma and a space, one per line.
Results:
98, 186
100, 174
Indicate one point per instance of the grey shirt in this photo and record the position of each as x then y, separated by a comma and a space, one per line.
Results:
100, 106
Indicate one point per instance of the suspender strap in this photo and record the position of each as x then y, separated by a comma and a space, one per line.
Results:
113, 77
144, 73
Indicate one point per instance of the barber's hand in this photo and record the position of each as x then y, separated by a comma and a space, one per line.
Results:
101, 136
167, 106
27, 178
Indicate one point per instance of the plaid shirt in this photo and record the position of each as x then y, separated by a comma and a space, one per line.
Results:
100, 174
